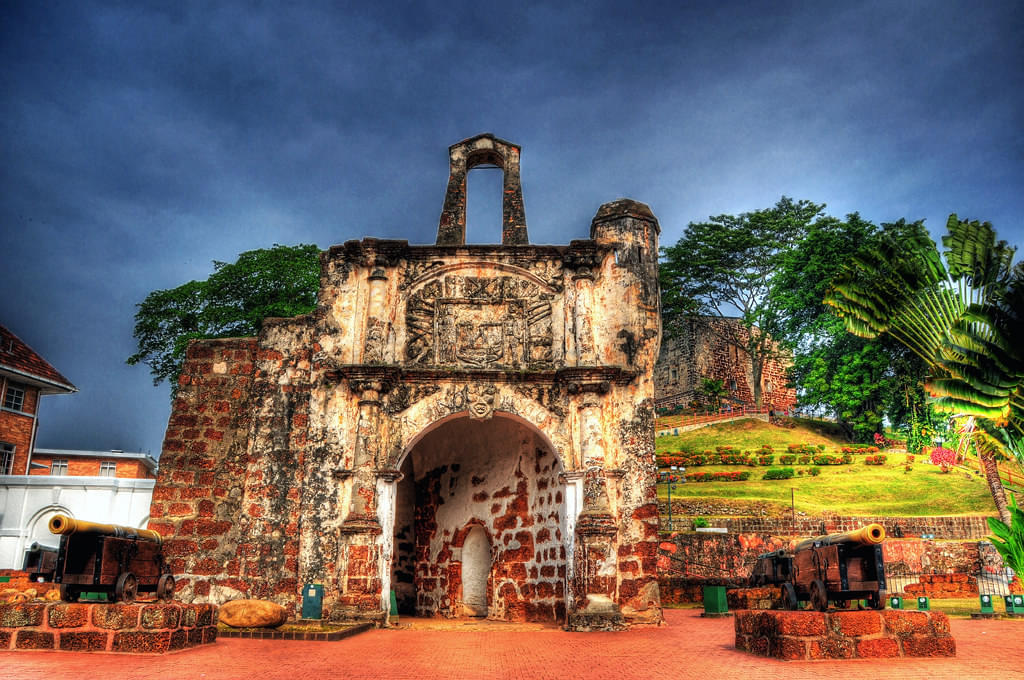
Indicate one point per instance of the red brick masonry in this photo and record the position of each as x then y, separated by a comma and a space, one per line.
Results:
801, 636
100, 627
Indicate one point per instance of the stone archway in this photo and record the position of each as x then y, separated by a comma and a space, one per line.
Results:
476, 571
480, 523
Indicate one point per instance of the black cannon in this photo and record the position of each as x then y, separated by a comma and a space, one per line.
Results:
40, 562
108, 558
838, 568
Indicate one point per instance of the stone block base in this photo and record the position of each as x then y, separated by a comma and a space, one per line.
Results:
754, 598
586, 622
808, 636
143, 628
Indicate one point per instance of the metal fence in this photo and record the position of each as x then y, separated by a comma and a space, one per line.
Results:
997, 583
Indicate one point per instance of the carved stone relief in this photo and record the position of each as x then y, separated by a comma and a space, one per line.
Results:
479, 322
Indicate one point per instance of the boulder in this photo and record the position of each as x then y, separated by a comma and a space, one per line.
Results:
252, 614
52, 595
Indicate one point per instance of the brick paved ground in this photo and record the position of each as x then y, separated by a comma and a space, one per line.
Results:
688, 647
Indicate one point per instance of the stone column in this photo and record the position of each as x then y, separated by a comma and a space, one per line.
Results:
378, 328
583, 281
595, 568
360, 550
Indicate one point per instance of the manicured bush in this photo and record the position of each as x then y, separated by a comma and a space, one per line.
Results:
718, 476
878, 459
804, 459
829, 459
814, 472
779, 473
765, 460
787, 459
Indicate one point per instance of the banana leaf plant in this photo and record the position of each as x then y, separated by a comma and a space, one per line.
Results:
1009, 538
964, 318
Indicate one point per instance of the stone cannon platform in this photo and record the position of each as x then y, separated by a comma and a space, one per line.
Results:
141, 628
810, 635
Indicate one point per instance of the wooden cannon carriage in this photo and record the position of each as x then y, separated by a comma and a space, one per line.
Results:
108, 558
838, 568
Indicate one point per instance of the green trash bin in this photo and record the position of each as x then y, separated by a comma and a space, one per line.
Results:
986, 604
714, 600
1014, 604
923, 604
896, 602
313, 601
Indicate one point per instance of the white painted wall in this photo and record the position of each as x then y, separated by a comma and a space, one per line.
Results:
476, 566
28, 502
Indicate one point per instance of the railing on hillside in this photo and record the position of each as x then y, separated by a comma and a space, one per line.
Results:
683, 420
996, 583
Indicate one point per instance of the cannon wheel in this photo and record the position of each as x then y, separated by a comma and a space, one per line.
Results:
165, 588
126, 588
876, 600
789, 600
819, 595
67, 593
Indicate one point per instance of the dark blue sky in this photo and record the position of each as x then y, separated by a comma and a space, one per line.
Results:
141, 140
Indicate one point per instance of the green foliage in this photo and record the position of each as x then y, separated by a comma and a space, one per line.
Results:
699, 523
779, 473
1009, 538
860, 380
727, 266
275, 282
712, 391
964, 319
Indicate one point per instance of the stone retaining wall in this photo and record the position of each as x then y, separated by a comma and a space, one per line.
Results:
808, 636
966, 527
127, 628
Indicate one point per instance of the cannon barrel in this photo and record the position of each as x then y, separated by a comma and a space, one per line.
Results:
872, 534
62, 524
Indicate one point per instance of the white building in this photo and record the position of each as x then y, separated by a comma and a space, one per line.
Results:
27, 502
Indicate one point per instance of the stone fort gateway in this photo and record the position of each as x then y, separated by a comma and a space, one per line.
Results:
468, 426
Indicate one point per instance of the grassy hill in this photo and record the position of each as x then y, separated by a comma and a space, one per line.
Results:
845, 489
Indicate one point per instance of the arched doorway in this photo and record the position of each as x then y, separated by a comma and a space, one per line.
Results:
476, 571
480, 522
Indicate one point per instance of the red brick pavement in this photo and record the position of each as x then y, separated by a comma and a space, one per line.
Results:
688, 647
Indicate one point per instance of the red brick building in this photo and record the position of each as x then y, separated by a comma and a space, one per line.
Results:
71, 463
707, 348
24, 377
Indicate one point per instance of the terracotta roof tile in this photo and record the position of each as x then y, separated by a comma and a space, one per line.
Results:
15, 354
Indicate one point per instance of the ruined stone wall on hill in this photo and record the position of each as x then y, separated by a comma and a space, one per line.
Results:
700, 348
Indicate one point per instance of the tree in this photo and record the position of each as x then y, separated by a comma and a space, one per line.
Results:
713, 390
860, 381
726, 267
964, 319
273, 282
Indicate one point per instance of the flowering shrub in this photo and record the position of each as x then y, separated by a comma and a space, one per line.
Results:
808, 449
942, 456
765, 460
829, 459
884, 442
787, 459
875, 460
814, 472
804, 459
859, 449
779, 473
718, 476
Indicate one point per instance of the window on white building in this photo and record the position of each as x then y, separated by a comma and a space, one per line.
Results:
108, 469
14, 397
59, 467
6, 458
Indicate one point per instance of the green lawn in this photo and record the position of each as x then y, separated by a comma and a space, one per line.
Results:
751, 434
855, 489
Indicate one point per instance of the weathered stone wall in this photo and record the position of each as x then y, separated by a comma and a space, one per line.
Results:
954, 527
701, 348
284, 461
